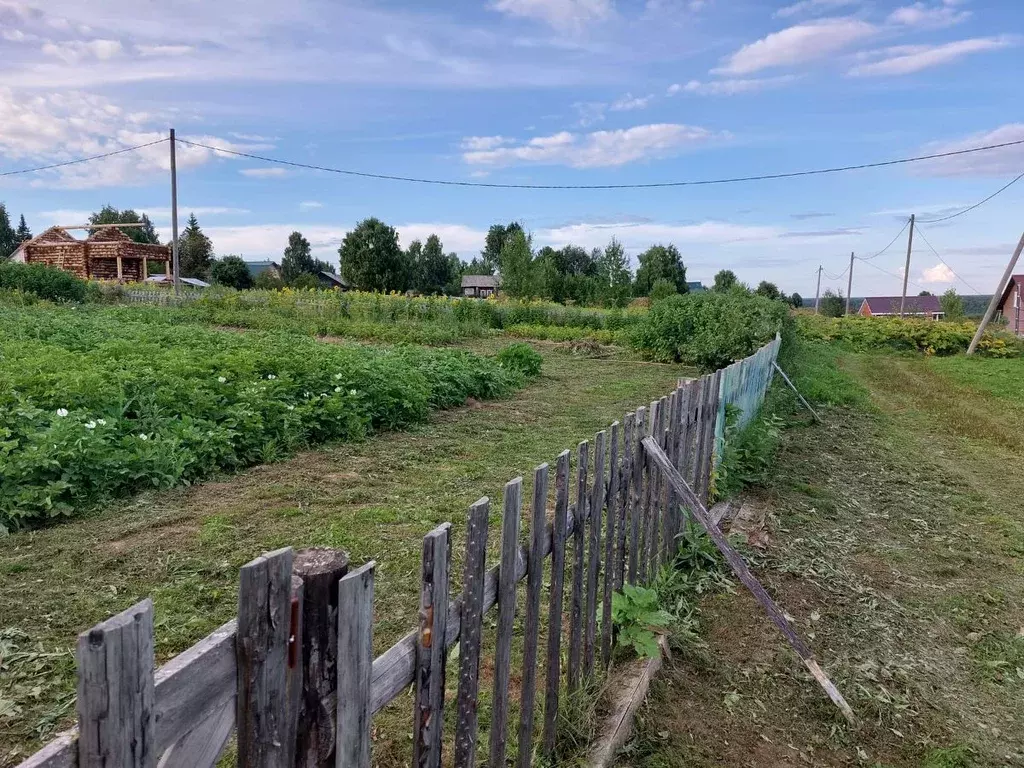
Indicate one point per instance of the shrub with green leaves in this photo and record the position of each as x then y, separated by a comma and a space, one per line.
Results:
522, 358
639, 619
97, 402
709, 330
40, 280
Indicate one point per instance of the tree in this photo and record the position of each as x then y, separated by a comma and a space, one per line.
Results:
231, 271
268, 280
768, 290
796, 300
614, 275
952, 305
832, 303
8, 237
298, 258
371, 258
195, 251
662, 289
433, 269
23, 232
518, 276
456, 269
660, 261
108, 214
925, 293
725, 280
497, 236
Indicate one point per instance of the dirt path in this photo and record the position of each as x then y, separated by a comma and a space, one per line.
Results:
897, 544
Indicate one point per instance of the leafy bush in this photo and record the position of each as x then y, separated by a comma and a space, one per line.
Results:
98, 402
522, 358
907, 335
710, 329
563, 333
749, 453
639, 620
45, 282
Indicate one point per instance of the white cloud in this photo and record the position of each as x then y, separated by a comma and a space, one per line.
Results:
640, 236
907, 59
161, 214
630, 102
264, 173
484, 143
74, 51
929, 17
164, 50
797, 45
561, 14
309, 205
730, 86
597, 149
811, 7
940, 273
455, 237
590, 112
1007, 161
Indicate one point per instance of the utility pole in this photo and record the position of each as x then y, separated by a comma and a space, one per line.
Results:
849, 284
906, 269
996, 297
817, 291
174, 218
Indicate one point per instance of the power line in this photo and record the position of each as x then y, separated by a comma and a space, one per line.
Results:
894, 274
932, 248
652, 185
891, 242
840, 276
82, 159
976, 205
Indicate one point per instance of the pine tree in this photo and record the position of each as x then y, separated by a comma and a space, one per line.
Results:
24, 233
195, 251
8, 237
298, 259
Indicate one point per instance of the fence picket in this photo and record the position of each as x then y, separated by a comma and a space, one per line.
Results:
625, 474
608, 571
636, 502
657, 495
578, 547
355, 662
700, 444
554, 662
116, 691
594, 561
671, 520
428, 708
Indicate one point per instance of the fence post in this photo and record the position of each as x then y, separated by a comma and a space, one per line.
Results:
554, 663
609, 569
265, 628
471, 628
578, 547
506, 616
430, 649
531, 625
625, 474
320, 569
594, 561
115, 691
636, 502
354, 667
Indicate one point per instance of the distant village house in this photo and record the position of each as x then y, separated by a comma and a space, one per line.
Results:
480, 286
1010, 305
927, 307
106, 254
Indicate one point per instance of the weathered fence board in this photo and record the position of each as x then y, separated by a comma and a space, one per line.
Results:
622, 521
578, 548
636, 499
354, 655
554, 654
594, 553
608, 571
428, 707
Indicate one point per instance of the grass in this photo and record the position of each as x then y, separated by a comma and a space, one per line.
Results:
377, 498
895, 542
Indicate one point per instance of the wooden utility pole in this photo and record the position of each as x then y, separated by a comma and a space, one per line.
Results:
174, 218
849, 284
996, 297
817, 291
906, 269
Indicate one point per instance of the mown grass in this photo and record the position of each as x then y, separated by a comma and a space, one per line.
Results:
376, 499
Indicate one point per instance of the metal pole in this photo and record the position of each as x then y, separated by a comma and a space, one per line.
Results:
906, 269
174, 218
849, 284
817, 291
996, 297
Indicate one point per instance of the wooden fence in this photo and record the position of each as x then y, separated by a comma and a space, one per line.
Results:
294, 679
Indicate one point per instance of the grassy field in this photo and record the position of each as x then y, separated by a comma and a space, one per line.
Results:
375, 498
896, 542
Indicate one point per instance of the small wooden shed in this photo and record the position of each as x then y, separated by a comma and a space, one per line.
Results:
106, 254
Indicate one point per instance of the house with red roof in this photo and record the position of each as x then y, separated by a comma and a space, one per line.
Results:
1010, 305
927, 307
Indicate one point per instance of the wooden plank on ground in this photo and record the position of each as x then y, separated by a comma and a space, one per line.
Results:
116, 691
354, 656
531, 623
510, 514
554, 654
594, 553
428, 706
609, 569
578, 548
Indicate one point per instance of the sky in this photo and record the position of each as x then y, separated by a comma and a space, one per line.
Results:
536, 92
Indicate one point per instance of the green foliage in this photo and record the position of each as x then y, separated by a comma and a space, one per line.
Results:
832, 303
8, 237
563, 333
952, 306
814, 370
518, 276
522, 358
639, 620
268, 280
298, 258
195, 250
433, 271
907, 335
494, 244
97, 402
40, 280
662, 289
660, 262
768, 290
231, 271
796, 300
108, 214
305, 281
23, 233
725, 280
372, 260
709, 329
749, 453
615, 279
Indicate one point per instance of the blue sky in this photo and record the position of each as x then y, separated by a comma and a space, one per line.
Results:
535, 91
